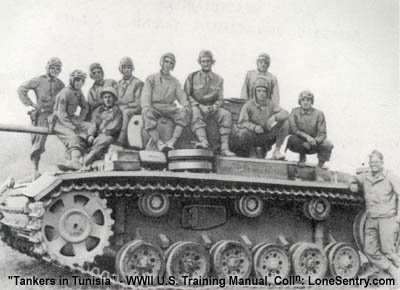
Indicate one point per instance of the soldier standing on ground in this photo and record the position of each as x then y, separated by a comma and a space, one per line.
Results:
160, 92
46, 87
205, 91
263, 62
129, 89
70, 128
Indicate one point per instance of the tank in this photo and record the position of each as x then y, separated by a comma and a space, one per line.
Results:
190, 216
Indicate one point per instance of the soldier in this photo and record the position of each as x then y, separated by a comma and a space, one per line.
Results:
308, 129
160, 91
129, 89
263, 62
262, 122
46, 87
69, 128
381, 192
106, 125
94, 94
205, 91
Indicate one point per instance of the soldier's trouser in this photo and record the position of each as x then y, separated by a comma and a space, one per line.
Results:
380, 239
70, 138
222, 117
127, 114
152, 114
39, 140
324, 150
100, 146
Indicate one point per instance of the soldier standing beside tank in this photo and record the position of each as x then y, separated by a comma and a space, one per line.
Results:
129, 89
263, 62
205, 91
94, 95
70, 128
106, 126
382, 198
308, 129
46, 87
159, 94
262, 123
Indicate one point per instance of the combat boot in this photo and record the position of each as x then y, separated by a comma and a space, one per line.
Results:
277, 155
302, 160
202, 137
74, 164
156, 139
170, 144
225, 146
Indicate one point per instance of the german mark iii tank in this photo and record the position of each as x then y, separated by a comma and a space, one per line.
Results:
190, 214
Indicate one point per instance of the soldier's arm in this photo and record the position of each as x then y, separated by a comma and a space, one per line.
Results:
280, 114
220, 100
115, 125
137, 91
244, 119
293, 128
93, 129
188, 88
25, 88
321, 136
275, 90
84, 108
145, 98
245, 88
181, 95
62, 113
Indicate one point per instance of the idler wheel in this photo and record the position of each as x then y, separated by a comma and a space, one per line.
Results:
317, 209
231, 258
358, 229
188, 259
76, 227
344, 261
309, 260
140, 258
153, 204
271, 261
250, 206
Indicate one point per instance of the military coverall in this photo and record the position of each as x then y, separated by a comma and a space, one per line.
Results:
312, 123
158, 99
45, 88
253, 114
207, 89
129, 91
106, 125
69, 128
250, 80
381, 195
94, 95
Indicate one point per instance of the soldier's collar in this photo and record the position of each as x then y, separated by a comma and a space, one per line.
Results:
378, 177
304, 112
127, 79
100, 83
210, 73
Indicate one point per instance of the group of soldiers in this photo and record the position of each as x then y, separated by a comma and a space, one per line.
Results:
105, 114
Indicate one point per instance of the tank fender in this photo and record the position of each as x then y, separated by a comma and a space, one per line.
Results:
41, 186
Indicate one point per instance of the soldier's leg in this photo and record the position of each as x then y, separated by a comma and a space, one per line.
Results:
245, 142
388, 233
181, 119
324, 151
224, 121
100, 145
127, 114
38, 145
296, 144
279, 134
150, 118
198, 126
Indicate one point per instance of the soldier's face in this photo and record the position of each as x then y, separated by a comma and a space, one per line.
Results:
262, 65
261, 94
305, 103
168, 64
109, 100
96, 74
206, 63
78, 83
127, 70
375, 163
54, 71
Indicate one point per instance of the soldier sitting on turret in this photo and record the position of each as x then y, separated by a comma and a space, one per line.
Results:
160, 92
106, 125
262, 123
308, 129
69, 128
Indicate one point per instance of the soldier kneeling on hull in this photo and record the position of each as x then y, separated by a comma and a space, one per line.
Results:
262, 123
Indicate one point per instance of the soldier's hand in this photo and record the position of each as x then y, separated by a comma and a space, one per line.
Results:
311, 141
35, 106
204, 109
90, 140
258, 129
215, 107
271, 122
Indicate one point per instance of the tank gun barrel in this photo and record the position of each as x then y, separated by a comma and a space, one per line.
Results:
25, 129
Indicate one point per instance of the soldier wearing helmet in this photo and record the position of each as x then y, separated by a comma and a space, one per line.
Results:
46, 87
70, 128
160, 93
262, 123
308, 129
205, 91
106, 126
263, 62
96, 73
129, 89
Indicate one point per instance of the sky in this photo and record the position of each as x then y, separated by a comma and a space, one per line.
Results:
345, 51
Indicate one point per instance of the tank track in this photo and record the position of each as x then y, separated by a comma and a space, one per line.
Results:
29, 241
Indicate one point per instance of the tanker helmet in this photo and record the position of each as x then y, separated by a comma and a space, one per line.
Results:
111, 90
54, 61
206, 53
93, 66
169, 55
306, 94
76, 74
126, 61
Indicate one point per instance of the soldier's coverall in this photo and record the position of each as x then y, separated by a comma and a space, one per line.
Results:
381, 195
252, 114
94, 95
251, 77
106, 125
313, 124
46, 89
207, 89
69, 128
129, 92
158, 99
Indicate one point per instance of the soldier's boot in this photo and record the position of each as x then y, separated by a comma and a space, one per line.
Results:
170, 144
202, 137
320, 163
35, 169
302, 160
225, 146
155, 136
319, 174
90, 158
277, 155
74, 164
123, 138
